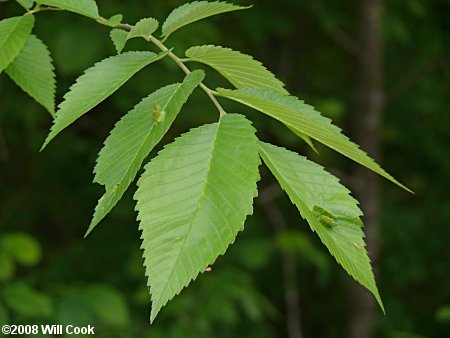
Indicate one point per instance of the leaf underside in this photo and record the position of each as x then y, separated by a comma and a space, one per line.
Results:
33, 71
132, 139
96, 84
84, 7
240, 69
297, 115
194, 11
312, 188
193, 199
14, 33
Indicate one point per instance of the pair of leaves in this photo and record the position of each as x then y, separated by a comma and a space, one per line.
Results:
27, 61
269, 97
299, 116
242, 71
194, 197
134, 136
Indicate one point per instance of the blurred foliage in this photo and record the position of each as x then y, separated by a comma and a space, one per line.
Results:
49, 274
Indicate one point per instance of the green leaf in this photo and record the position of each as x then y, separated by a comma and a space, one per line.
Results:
108, 304
132, 139
144, 28
328, 208
7, 267
297, 115
27, 4
84, 7
96, 84
119, 39
114, 20
193, 199
26, 301
32, 70
14, 33
24, 248
240, 69
195, 11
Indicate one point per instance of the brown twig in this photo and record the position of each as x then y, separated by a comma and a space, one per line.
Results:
43, 9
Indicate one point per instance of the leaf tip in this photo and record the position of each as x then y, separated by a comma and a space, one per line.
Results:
89, 230
404, 187
380, 302
43, 146
50, 137
409, 190
154, 312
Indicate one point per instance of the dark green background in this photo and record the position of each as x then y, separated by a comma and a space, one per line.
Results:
47, 198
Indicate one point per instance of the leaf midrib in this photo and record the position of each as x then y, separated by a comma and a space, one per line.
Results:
213, 148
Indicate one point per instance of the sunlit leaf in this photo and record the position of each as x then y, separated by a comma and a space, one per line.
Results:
328, 208
193, 199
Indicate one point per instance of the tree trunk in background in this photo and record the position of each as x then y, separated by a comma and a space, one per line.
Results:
366, 132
